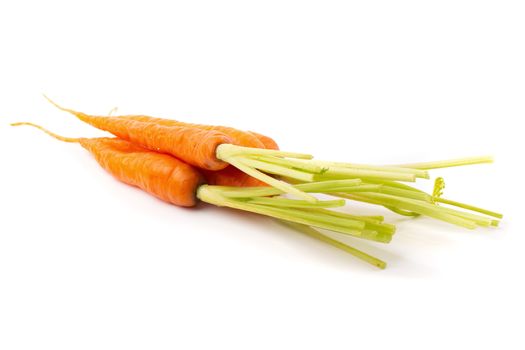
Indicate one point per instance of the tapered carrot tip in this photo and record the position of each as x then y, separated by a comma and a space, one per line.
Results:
52, 134
55, 104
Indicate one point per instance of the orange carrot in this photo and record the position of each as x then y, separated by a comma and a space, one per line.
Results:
267, 141
159, 174
231, 176
238, 137
194, 146
226, 177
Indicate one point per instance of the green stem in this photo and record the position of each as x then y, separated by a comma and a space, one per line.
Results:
411, 205
307, 166
281, 185
309, 231
319, 187
278, 169
390, 169
468, 207
370, 223
293, 203
449, 163
227, 150
340, 172
213, 195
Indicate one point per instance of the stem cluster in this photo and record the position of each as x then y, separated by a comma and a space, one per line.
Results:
299, 175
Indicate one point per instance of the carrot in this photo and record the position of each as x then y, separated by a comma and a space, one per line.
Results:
238, 137
231, 176
267, 141
194, 146
159, 174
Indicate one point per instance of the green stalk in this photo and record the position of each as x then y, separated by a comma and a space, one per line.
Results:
227, 150
281, 185
401, 211
360, 188
370, 223
468, 207
415, 206
258, 163
340, 172
294, 203
278, 170
391, 169
404, 193
306, 216
309, 231
477, 219
448, 163
308, 166
396, 185
319, 187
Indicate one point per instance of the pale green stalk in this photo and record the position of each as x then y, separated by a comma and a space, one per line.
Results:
391, 169
308, 165
278, 170
227, 150
370, 223
448, 163
294, 203
468, 207
309, 231
319, 187
306, 216
415, 206
340, 172
281, 185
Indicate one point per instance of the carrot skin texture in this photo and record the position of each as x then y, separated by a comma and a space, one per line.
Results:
231, 176
161, 175
238, 137
194, 146
267, 141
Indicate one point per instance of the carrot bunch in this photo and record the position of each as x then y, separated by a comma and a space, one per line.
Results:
182, 163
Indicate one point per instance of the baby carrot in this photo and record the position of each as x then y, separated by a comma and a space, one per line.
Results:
238, 137
194, 146
159, 174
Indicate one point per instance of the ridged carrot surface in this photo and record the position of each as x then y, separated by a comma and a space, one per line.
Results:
238, 137
267, 141
159, 174
231, 176
193, 145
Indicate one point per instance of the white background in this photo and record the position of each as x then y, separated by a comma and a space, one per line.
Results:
89, 263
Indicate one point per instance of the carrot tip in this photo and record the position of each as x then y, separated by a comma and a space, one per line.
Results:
55, 104
52, 134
